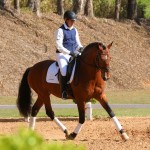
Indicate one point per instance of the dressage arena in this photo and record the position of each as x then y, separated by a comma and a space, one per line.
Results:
98, 134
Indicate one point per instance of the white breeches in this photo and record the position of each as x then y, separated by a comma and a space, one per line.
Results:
62, 60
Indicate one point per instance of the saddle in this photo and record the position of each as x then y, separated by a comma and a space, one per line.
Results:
53, 72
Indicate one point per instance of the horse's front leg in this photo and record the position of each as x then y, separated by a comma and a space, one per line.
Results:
81, 110
104, 103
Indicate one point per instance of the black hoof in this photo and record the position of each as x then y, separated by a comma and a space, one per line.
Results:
66, 133
72, 136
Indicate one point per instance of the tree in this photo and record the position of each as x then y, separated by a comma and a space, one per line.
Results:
34, 5
2, 4
60, 7
16, 6
89, 8
117, 9
5, 4
131, 9
83, 7
78, 6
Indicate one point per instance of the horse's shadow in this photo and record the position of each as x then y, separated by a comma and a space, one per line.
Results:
64, 140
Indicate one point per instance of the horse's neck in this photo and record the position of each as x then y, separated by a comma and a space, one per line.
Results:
89, 57
87, 66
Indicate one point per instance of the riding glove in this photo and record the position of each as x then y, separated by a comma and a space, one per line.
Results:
73, 54
81, 49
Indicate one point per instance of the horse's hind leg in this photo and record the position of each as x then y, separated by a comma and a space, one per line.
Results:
35, 109
50, 113
104, 103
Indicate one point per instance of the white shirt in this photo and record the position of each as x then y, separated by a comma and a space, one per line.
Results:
60, 37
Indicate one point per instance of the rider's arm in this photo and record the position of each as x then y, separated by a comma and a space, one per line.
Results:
79, 45
59, 42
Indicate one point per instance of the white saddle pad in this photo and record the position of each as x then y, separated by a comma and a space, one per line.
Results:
52, 71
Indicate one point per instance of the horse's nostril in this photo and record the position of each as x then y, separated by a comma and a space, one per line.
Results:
107, 69
104, 78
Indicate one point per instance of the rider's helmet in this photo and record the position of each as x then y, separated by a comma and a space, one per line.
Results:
70, 15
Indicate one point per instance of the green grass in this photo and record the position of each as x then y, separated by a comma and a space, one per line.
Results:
97, 113
129, 97
114, 97
134, 112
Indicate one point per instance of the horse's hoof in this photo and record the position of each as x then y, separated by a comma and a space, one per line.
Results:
66, 133
124, 136
72, 136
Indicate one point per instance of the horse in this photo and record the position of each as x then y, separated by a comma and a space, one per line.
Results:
91, 72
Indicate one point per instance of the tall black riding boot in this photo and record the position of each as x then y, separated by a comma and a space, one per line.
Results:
63, 86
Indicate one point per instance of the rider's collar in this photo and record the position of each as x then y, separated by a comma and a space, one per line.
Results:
66, 27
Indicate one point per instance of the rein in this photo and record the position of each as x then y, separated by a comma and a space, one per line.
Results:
97, 60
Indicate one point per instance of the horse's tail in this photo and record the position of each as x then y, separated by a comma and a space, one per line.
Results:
24, 99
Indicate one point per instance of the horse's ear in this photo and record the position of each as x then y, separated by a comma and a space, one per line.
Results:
108, 46
100, 46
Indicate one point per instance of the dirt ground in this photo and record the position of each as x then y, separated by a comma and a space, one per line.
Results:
98, 134
26, 40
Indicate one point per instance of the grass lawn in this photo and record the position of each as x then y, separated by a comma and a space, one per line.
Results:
96, 113
115, 97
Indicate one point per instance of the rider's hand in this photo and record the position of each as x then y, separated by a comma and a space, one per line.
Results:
73, 54
81, 49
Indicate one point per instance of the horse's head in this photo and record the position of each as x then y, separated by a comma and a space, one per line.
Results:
97, 55
103, 59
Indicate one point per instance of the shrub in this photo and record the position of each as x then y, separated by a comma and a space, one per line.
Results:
29, 140
143, 8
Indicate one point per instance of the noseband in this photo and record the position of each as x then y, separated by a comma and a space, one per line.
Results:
103, 54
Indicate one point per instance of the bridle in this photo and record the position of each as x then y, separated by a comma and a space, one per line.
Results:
102, 53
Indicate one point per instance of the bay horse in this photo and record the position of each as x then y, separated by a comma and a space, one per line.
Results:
92, 69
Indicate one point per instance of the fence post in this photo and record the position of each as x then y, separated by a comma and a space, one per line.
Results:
89, 110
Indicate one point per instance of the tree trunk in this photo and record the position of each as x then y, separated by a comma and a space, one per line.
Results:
16, 6
37, 8
89, 8
131, 9
78, 6
117, 9
60, 7
5, 4
34, 5
2, 3
29, 3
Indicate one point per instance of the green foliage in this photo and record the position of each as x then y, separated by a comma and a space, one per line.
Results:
123, 9
104, 8
48, 6
29, 140
143, 8
93, 101
68, 4
23, 3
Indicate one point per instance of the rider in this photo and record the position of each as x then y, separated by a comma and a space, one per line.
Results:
68, 44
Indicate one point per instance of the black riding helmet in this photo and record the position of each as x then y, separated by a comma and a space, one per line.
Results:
70, 15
